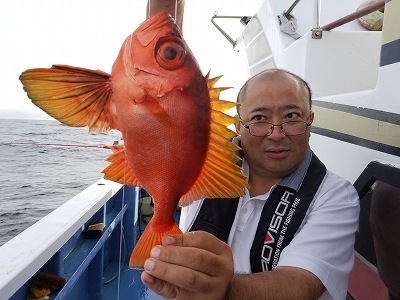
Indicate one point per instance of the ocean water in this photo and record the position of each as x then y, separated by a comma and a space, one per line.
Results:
36, 179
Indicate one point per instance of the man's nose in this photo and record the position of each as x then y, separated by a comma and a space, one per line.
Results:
277, 132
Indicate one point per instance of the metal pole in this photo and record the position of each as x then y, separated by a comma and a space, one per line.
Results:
317, 13
316, 32
227, 36
362, 12
287, 13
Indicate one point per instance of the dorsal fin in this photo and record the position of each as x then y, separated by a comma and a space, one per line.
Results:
221, 176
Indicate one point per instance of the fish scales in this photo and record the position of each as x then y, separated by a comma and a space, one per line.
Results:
176, 141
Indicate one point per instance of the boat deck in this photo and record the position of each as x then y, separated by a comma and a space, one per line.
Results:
126, 285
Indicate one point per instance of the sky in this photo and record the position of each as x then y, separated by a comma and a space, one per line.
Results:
89, 34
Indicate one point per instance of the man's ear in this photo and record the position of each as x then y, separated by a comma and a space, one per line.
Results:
237, 127
311, 120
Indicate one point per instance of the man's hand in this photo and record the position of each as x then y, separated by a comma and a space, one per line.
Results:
195, 265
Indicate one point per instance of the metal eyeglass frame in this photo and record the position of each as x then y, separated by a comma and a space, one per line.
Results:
272, 127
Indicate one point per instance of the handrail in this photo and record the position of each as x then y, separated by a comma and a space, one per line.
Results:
353, 16
376, 171
26, 253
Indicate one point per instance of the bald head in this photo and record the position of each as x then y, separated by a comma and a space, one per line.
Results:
302, 87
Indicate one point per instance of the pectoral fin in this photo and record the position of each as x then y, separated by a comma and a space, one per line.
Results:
75, 96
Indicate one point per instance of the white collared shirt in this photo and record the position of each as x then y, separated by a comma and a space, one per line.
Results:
324, 242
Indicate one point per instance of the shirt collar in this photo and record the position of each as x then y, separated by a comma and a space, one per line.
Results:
294, 179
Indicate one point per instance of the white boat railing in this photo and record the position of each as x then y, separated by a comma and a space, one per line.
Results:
25, 254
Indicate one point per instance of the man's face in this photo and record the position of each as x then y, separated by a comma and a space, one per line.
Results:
275, 100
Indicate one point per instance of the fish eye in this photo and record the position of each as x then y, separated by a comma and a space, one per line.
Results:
170, 55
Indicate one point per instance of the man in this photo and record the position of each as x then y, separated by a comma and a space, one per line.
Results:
291, 235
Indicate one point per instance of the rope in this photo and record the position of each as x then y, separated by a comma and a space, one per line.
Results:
54, 144
121, 260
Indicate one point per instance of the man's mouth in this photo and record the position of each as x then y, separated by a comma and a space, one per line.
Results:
277, 153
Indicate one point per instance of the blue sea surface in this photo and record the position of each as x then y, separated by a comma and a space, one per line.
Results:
36, 179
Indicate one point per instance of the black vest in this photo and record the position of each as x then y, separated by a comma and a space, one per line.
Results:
280, 219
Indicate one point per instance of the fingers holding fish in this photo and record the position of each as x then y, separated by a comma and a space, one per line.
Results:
205, 254
162, 288
195, 262
181, 277
181, 282
197, 239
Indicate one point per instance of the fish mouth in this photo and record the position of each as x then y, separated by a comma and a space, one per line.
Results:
126, 57
149, 72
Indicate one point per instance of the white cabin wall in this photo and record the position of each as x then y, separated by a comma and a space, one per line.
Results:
340, 62
345, 60
345, 159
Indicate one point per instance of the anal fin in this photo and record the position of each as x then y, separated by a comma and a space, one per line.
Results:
119, 169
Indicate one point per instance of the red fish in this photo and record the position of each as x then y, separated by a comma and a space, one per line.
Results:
176, 143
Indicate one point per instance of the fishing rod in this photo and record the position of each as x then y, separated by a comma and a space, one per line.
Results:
55, 144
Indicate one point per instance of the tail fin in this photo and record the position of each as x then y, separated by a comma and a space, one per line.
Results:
150, 238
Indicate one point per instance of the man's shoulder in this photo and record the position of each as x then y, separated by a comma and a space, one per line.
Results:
335, 179
335, 187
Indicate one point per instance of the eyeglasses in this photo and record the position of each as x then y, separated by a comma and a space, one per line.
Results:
289, 128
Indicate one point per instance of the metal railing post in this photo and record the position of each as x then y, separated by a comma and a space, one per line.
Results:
316, 32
